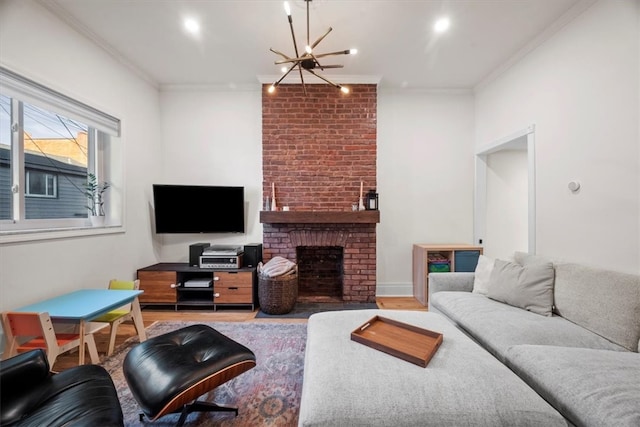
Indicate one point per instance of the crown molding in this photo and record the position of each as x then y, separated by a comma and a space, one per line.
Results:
61, 13
213, 87
311, 79
529, 47
425, 90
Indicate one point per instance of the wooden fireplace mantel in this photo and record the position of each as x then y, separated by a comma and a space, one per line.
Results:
319, 217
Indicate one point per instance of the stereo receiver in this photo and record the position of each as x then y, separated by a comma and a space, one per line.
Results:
211, 261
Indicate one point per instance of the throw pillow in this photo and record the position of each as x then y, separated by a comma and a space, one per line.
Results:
529, 287
524, 258
482, 275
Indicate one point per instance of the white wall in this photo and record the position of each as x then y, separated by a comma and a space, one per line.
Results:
425, 179
507, 203
39, 46
213, 137
580, 89
425, 168
208, 136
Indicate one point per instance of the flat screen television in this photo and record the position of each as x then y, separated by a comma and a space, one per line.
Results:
198, 209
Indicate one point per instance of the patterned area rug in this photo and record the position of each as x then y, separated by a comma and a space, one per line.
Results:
304, 310
267, 395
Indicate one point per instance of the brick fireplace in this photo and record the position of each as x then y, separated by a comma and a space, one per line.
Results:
353, 232
316, 152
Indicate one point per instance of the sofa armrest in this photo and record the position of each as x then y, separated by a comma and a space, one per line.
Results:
461, 282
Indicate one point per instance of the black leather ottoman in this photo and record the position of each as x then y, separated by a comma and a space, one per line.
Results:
167, 373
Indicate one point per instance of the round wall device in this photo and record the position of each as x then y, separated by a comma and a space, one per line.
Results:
574, 186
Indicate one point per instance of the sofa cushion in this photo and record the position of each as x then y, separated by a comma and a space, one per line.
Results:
605, 302
589, 387
498, 326
529, 287
483, 274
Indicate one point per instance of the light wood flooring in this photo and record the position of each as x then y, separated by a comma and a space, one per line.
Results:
149, 316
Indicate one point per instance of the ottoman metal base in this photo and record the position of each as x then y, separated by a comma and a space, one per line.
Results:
198, 406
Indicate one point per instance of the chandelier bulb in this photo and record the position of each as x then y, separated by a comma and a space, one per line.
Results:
307, 49
344, 89
271, 89
284, 69
353, 51
441, 25
287, 9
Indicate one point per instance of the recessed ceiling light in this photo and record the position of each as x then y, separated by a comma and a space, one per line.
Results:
441, 25
192, 26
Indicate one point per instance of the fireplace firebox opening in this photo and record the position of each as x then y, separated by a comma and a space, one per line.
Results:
320, 271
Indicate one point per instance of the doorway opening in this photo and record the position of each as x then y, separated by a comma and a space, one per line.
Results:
505, 202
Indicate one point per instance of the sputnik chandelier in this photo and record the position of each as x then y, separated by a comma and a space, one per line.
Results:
309, 60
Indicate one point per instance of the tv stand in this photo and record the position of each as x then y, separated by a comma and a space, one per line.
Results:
163, 285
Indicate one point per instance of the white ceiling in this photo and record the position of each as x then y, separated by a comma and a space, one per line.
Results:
395, 42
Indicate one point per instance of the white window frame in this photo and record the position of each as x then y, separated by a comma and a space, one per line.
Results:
103, 129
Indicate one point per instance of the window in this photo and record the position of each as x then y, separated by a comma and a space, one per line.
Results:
49, 145
41, 184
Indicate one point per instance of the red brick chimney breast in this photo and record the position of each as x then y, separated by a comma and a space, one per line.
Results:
316, 150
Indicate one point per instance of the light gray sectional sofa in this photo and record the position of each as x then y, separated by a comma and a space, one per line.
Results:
582, 358
350, 384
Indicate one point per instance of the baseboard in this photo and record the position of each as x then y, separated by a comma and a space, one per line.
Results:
394, 290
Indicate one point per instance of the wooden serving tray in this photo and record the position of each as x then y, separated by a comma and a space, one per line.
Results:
407, 342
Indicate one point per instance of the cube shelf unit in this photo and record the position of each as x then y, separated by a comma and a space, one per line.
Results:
462, 253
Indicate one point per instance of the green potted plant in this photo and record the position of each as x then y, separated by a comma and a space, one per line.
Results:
94, 192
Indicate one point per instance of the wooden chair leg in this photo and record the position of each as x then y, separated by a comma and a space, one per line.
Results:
11, 349
93, 350
113, 333
52, 355
112, 338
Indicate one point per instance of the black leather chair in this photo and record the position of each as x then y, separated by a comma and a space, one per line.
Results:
31, 395
166, 374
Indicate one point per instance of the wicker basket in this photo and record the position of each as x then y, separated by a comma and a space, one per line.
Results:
277, 295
